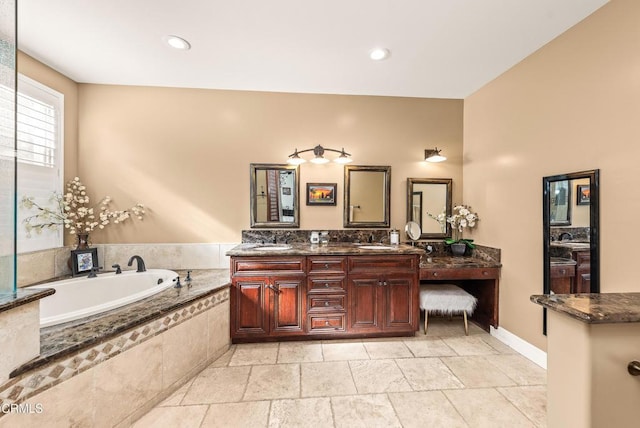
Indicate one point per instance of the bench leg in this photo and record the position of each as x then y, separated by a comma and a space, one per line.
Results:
426, 316
466, 325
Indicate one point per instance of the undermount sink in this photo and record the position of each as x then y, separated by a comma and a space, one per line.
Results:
376, 247
273, 247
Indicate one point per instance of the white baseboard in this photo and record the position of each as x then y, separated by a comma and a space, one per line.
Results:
523, 347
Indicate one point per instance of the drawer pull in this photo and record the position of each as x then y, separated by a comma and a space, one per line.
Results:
326, 303
634, 368
326, 285
435, 274
326, 265
326, 323
485, 273
562, 271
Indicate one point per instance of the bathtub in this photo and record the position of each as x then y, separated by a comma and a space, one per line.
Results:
81, 297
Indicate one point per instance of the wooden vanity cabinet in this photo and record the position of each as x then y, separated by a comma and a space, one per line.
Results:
319, 296
383, 294
267, 298
562, 278
582, 280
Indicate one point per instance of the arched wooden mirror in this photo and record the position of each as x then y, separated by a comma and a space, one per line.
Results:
571, 217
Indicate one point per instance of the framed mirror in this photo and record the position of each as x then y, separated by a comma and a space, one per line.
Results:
367, 196
274, 193
428, 198
571, 233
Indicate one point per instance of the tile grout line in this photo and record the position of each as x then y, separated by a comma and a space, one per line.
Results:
517, 407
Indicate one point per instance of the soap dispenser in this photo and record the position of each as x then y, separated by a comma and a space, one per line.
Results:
394, 237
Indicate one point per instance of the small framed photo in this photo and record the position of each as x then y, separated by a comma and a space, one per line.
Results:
584, 194
321, 193
83, 261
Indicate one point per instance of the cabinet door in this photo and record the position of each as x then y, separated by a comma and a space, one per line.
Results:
249, 306
364, 301
398, 302
287, 307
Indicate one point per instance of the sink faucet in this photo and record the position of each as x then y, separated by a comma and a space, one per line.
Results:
140, 262
565, 235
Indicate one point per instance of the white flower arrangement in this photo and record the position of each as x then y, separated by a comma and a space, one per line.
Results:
461, 219
72, 211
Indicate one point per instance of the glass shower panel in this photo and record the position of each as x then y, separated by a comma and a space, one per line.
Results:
7, 146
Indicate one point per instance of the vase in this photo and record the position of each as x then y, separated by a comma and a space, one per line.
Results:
458, 249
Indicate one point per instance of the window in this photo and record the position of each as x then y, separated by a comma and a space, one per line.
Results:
40, 156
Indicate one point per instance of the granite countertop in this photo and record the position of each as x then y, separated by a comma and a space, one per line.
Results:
599, 308
61, 340
451, 262
337, 248
21, 297
572, 245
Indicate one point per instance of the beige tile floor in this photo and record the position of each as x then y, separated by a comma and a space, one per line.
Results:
442, 379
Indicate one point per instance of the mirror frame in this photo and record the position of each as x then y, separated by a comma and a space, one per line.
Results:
253, 168
449, 183
348, 169
594, 229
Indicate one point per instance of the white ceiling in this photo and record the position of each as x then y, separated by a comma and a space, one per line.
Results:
439, 48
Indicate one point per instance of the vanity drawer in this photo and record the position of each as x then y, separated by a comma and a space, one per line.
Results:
459, 273
383, 263
247, 265
326, 302
563, 271
319, 264
326, 323
326, 284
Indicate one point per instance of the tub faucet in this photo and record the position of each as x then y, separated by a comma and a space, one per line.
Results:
117, 268
140, 262
94, 272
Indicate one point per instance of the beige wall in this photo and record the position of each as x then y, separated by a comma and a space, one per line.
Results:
572, 106
185, 153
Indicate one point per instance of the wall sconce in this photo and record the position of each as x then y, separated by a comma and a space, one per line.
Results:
318, 151
434, 155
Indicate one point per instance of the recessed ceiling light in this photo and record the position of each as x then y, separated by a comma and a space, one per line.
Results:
177, 42
378, 54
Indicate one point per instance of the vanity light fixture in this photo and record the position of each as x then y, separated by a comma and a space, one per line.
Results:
378, 54
177, 43
433, 155
318, 151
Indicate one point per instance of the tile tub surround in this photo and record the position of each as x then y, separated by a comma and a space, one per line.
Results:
38, 266
133, 366
602, 308
419, 381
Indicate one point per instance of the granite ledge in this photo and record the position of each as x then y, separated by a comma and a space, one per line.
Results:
602, 308
452, 262
60, 341
21, 297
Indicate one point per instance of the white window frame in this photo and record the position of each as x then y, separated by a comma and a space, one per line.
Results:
28, 172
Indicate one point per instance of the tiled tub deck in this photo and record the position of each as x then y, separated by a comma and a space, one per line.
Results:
108, 370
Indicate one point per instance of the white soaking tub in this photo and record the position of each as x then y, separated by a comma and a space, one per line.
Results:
81, 297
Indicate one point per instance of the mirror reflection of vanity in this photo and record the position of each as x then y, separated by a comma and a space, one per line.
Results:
571, 233
426, 199
274, 196
367, 196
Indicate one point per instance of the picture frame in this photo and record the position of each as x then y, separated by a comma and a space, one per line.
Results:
583, 194
321, 193
83, 261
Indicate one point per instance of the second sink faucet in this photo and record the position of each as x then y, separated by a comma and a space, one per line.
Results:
140, 263
565, 235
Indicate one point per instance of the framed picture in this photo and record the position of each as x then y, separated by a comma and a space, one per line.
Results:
584, 194
83, 261
321, 193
